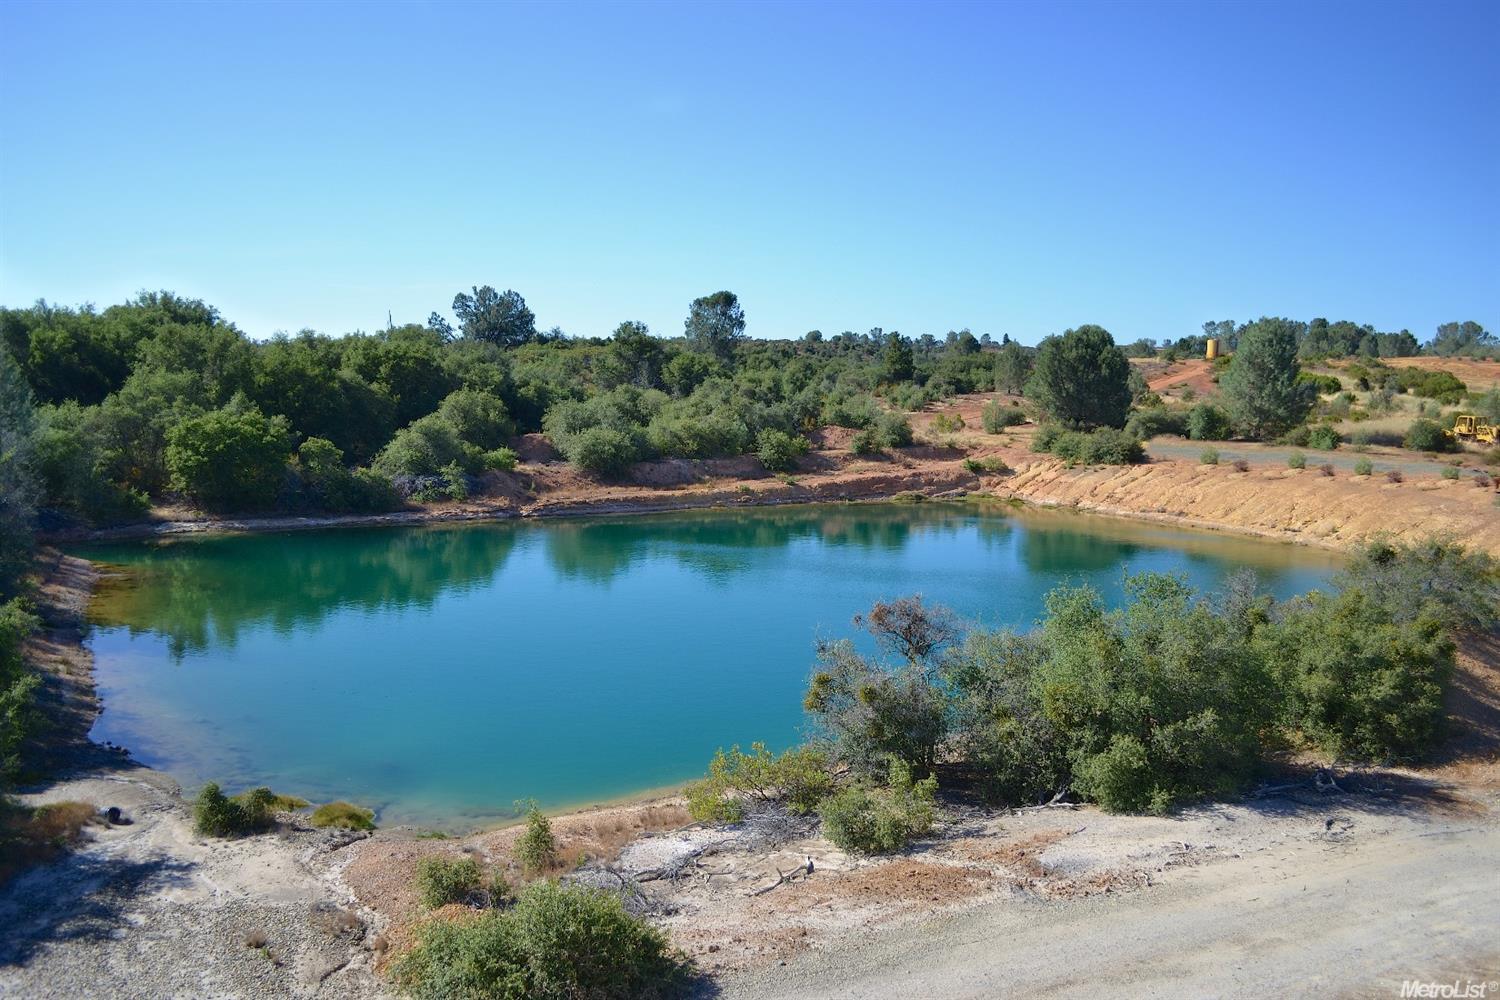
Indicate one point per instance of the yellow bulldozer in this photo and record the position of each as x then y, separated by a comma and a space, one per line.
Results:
1467, 427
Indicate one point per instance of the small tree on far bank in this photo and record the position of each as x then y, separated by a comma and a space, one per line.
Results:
1260, 388
1081, 379
715, 325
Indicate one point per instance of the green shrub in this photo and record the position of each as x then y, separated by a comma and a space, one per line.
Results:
1445, 387
604, 451
778, 451
1297, 437
1153, 421
1324, 384
1160, 702
990, 465
229, 459
799, 778
1450, 473
441, 881
1363, 467
948, 423
890, 430
1438, 578
328, 485
1209, 456
864, 819
501, 459
1359, 683
557, 943
217, 815
996, 416
344, 816
1428, 435
1296, 460
1324, 437
536, 848
18, 687
1102, 446
1207, 422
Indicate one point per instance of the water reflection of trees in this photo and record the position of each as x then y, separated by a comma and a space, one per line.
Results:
204, 592
198, 593
721, 544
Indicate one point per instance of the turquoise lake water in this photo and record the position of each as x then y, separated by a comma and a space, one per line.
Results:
440, 673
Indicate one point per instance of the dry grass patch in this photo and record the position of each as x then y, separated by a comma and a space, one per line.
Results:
34, 836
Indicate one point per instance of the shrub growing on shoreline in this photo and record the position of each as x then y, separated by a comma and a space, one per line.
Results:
799, 777
441, 881
1102, 446
778, 451
344, 815
536, 848
557, 943
866, 819
217, 815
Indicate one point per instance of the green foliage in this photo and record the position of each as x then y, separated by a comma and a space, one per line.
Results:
1363, 467
1450, 473
990, 465
478, 418
495, 317
948, 423
1160, 702
1323, 384
996, 416
867, 819
1013, 366
1428, 435
869, 711
1324, 437
1260, 387
229, 459
536, 849
343, 816
778, 451
715, 325
1436, 578
1102, 446
799, 777
889, 430
557, 943
18, 688
328, 485
69, 460
1081, 380
1207, 422
1360, 683
898, 364
1156, 420
1296, 460
441, 880
500, 459
18, 484
217, 815
1209, 456
1445, 387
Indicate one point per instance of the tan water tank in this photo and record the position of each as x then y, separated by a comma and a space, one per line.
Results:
1213, 348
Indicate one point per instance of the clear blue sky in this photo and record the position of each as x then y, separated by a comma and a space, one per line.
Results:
1011, 168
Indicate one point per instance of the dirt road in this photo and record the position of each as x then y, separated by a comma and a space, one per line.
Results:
1315, 919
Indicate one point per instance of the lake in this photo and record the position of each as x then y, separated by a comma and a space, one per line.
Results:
440, 673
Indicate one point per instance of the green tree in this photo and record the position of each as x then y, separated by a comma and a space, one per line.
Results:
636, 355
1081, 379
18, 486
1260, 388
715, 325
898, 363
233, 458
497, 317
1012, 368
1467, 337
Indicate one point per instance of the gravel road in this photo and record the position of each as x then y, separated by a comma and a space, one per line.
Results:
1315, 920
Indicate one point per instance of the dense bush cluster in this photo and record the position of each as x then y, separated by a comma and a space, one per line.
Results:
556, 943
1101, 446
1173, 697
996, 416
